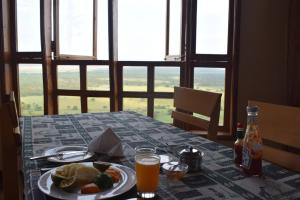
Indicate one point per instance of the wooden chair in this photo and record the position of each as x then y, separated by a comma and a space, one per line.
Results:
188, 101
280, 129
12, 180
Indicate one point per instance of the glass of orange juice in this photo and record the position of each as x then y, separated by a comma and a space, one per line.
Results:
147, 173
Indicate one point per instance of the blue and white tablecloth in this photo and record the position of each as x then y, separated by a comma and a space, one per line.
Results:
219, 178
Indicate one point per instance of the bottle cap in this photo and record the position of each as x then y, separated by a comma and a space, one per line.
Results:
240, 131
252, 109
239, 125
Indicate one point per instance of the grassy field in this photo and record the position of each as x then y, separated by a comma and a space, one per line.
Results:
134, 80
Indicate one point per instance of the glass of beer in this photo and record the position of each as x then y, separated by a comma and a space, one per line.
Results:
147, 173
145, 149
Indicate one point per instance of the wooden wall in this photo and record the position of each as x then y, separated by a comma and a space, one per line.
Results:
263, 54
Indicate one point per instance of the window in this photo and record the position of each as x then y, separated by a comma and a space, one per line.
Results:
98, 77
212, 33
211, 80
212, 26
173, 35
75, 28
135, 78
68, 77
102, 30
163, 109
166, 78
141, 30
135, 104
28, 25
31, 89
69, 105
96, 104
154, 49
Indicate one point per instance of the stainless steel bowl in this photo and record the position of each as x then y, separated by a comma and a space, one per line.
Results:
192, 157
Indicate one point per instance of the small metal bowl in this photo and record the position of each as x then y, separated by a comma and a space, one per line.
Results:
192, 157
175, 170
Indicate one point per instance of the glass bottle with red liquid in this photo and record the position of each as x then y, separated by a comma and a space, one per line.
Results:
252, 147
238, 145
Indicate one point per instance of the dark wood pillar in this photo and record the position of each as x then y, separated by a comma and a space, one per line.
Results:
293, 71
6, 71
114, 72
46, 56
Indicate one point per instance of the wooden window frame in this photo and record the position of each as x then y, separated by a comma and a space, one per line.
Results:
150, 94
193, 31
225, 61
187, 62
180, 56
57, 54
227, 92
82, 92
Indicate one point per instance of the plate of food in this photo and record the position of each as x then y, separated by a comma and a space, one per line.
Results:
88, 180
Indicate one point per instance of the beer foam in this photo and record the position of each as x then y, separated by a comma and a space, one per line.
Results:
148, 161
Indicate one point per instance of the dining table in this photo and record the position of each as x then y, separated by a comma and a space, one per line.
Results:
219, 177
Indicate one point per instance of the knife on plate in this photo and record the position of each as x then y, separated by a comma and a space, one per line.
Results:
59, 154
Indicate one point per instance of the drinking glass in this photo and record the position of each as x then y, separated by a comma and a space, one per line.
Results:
147, 169
145, 149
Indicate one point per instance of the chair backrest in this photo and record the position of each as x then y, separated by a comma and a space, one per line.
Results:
12, 182
280, 129
188, 101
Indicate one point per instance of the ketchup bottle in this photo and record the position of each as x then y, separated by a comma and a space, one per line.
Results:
252, 147
238, 145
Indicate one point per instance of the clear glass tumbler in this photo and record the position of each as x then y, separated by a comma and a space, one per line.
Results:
145, 149
147, 167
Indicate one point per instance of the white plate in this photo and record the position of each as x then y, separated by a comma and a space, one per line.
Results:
68, 158
127, 181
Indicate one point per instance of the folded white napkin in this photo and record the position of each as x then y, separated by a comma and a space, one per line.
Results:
107, 143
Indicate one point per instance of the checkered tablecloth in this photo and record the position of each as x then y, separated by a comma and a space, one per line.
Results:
219, 178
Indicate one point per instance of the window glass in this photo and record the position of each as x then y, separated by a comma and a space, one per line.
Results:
76, 27
212, 26
31, 89
102, 30
28, 25
96, 104
135, 104
69, 105
68, 77
98, 77
141, 29
175, 25
212, 80
166, 78
163, 109
134, 78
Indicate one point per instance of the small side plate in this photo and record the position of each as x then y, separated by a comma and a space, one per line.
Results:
68, 158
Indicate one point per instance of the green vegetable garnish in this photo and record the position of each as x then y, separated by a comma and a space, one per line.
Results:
103, 181
101, 166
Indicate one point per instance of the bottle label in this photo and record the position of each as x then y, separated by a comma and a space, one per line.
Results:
257, 147
255, 152
246, 161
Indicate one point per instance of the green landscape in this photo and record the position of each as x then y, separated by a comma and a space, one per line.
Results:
135, 79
